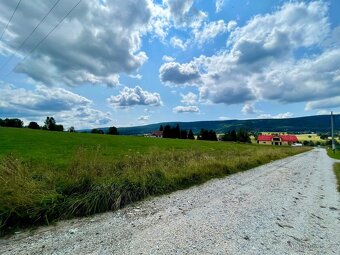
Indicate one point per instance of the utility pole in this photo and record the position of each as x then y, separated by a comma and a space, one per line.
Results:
332, 124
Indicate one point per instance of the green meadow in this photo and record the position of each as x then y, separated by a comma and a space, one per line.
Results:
47, 176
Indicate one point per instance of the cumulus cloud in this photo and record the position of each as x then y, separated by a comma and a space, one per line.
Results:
183, 109
189, 99
210, 31
178, 43
86, 47
135, 96
41, 99
166, 58
277, 116
176, 73
184, 14
248, 108
260, 60
67, 107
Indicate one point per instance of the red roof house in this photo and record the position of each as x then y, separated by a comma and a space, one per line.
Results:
276, 139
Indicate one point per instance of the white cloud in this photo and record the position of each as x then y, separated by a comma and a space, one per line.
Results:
184, 14
259, 62
210, 31
183, 109
189, 99
178, 43
219, 5
86, 47
277, 116
179, 73
248, 108
231, 25
166, 58
135, 96
329, 103
66, 107
144, 118
42, 99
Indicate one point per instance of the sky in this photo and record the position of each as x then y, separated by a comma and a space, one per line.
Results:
100, 63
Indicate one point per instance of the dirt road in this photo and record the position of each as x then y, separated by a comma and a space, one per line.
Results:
290, 206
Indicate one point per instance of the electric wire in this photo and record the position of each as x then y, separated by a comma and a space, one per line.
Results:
9, 21
45, 37
29, 36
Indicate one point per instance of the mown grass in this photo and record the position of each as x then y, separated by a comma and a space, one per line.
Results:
337, 173
47, 176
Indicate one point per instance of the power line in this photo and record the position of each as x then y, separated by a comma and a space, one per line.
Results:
45, 37
10, 19
29, 36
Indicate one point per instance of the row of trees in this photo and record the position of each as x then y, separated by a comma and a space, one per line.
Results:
16, 123
237, 136
111, 131
49, 124
208, 135
176, 132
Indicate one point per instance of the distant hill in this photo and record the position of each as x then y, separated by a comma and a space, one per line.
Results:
318, 123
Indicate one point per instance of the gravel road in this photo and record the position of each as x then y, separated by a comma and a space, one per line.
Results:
289, 206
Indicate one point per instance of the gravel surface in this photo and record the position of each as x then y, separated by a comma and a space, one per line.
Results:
290, 206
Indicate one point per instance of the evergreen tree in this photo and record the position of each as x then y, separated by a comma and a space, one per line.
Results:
191, 135
184, 134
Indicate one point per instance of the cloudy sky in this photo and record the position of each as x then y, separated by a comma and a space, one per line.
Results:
96, 63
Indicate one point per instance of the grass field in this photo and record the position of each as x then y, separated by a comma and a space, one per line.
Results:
46, 176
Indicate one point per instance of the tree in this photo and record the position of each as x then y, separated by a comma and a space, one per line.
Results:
177, 131
184, 134
191, 135
50, 123
161, 128
33, 125
207, 135
167, 131
233, 135
97, 131
113, 131
71, 130
58, 128
243, 136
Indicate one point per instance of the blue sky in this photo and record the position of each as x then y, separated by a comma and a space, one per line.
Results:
128, 62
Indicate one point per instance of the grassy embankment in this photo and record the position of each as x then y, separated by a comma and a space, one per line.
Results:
335, 155
47, 176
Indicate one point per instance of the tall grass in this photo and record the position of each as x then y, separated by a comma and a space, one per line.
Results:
33, 194
337, 174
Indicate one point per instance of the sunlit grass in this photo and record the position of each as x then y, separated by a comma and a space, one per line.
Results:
47, 176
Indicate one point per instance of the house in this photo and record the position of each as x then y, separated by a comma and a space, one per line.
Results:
277, 139
157, 133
